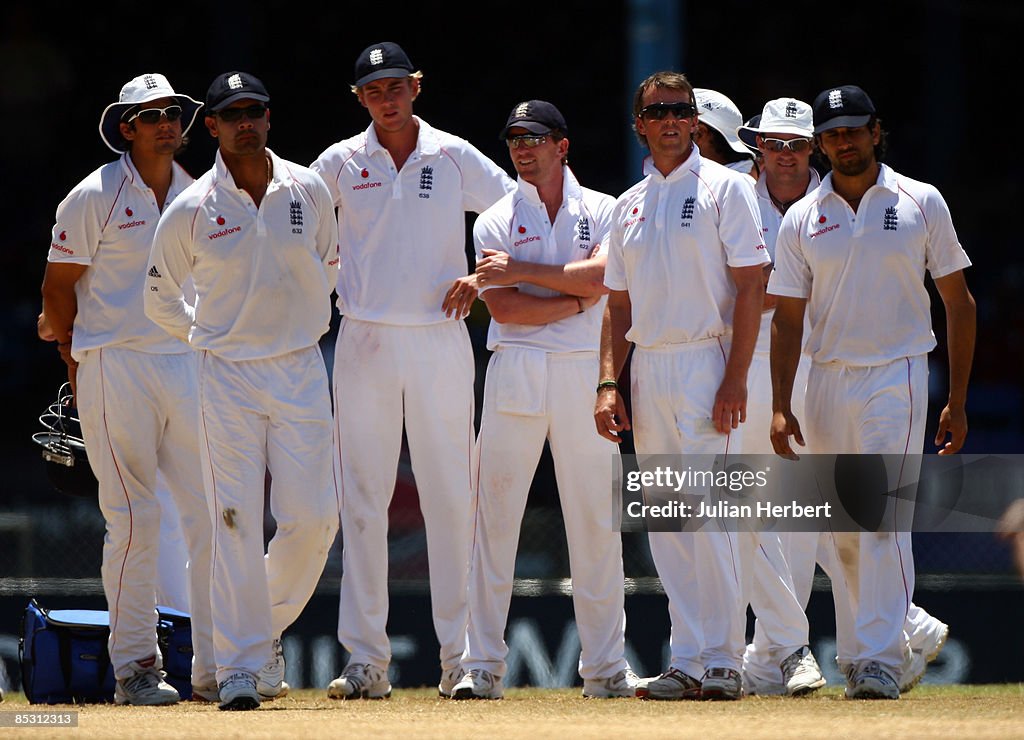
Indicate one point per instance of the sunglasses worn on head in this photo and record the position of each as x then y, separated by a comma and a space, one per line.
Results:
254, 112
527, 140
781, 145
660, 111
153, 115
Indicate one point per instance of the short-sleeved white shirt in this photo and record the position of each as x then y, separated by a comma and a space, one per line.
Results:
518, 224
673, 240
263, 276
771, 220
863, 273
403, 232
107, 222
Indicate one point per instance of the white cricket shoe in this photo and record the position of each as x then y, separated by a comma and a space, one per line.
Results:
270, 678
145, 687
449, 679
238, 692
871, 681
479, 684
360, 681
801, 673
721, 684
914, 671
622, 684
673, 684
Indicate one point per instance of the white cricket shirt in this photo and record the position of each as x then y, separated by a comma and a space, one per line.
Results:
673, 240
107, 222
403, 233
518, 224
263, 276
863, 273
771, 221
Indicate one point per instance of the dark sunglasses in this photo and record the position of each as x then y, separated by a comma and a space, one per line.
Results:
527, 140
253, 112
660, 111
781, 145
153, 115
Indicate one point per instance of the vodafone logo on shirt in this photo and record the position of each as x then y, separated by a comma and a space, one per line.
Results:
60, 247
223, 232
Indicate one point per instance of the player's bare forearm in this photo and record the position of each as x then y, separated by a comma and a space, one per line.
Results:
961, 330
786, 344
746, 321
618, 318
581, 278
730, 408
511, 306
60, 304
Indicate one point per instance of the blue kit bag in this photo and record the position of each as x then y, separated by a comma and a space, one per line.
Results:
64, 657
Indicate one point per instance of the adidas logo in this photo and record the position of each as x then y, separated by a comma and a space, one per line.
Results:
154, 273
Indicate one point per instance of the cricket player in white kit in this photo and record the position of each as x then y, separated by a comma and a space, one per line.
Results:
135, 385
685, 272
778, 660
401, 188
855, 253
257, 235
540, 269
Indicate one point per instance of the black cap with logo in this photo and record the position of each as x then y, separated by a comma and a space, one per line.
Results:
232, 86
846, 106
536, 116
377, 61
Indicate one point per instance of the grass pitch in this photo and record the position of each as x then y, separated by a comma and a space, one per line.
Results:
963, 712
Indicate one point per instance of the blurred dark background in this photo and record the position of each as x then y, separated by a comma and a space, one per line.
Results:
942, 74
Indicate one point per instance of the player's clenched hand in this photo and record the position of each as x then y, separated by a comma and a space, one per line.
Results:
610, 414
730, 409
952, 421
496, 268
785, 426
460, 296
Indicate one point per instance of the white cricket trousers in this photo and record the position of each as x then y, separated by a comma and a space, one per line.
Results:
780, 626
139, 414
871, 410
258, 416
422, 375
673, 392
508, 448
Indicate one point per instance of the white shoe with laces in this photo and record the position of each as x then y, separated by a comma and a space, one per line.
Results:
145, 687
270, 679
449, 679
479, 684
622, 684
801, 673
238, 692
360, 681
871, 681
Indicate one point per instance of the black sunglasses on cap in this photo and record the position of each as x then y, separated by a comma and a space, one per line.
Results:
660, 111
253, 112
153, 115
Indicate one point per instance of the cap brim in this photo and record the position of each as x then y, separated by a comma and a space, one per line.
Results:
244, 95
110, 119
748, 136
380, 74
532, 126
842, 122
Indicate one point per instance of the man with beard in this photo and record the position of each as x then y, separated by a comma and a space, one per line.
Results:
855, 253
